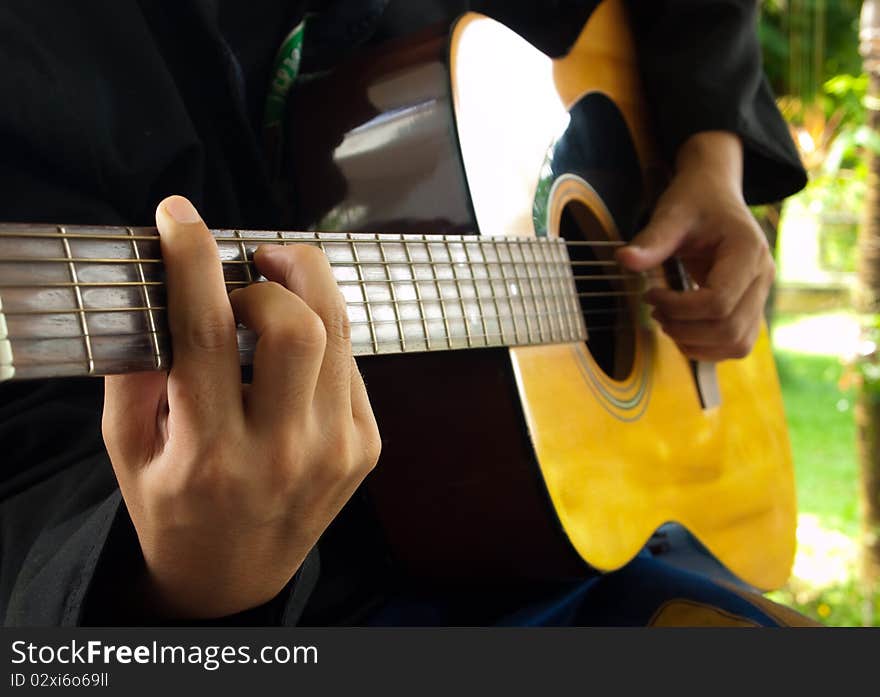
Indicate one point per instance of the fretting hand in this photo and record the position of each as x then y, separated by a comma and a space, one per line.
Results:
703, 219
229, 487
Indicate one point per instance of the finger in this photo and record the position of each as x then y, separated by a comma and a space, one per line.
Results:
290, 350
304, 270
664, 234
133, 419
734, 335
734, 271
716, 354
205, 378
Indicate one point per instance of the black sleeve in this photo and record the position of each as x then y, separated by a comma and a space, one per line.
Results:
109, 602
70, 556
702, 67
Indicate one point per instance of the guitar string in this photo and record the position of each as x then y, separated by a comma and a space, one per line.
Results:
325, 237
241, 284
163, 308
395, 340
378, 348
342, 282
250, 262
246, 264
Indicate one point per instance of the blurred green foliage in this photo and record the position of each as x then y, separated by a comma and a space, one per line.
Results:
807, 41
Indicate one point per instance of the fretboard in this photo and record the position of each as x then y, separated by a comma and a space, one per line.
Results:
80, 300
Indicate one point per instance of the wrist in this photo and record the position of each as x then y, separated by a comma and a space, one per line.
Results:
714, 155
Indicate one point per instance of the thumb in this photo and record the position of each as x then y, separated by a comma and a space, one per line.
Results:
133, 420
658, 241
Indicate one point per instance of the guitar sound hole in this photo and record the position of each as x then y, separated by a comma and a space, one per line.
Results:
605, 298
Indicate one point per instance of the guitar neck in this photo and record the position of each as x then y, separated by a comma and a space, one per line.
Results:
78, 300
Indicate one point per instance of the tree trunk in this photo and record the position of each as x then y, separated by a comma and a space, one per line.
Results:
868, 305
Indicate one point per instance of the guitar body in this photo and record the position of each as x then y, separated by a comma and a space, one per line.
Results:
547, 461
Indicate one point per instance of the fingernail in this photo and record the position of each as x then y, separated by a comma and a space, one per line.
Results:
182, 210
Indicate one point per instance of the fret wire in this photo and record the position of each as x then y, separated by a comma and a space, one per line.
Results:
505, 280
554, 289
530, 280
570, 287
418, 290
145, 293
393, 292
554, 253
531, 265
464, 314
528, 256
514, 262
356, 257
479, 299
439, 292
244, 256
492, 294
83, 322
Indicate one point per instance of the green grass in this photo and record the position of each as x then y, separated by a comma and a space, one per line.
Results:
822, 432
823, 439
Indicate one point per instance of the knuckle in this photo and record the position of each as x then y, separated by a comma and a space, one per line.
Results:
729, 332
771, 268
719, 305
339, 322
310, 333
740, 348
284, 471
372, 449
305, 335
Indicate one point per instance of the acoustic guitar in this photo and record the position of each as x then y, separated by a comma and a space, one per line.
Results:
536, 423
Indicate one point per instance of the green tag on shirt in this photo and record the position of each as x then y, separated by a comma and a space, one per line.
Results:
286, 69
